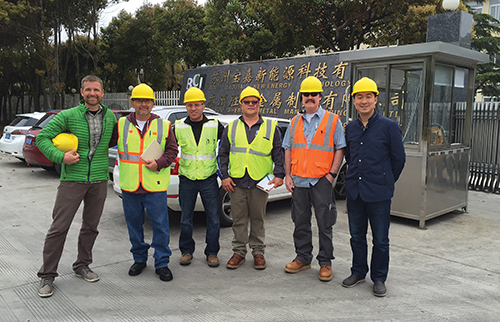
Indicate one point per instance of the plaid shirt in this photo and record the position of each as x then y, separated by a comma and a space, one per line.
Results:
95, 129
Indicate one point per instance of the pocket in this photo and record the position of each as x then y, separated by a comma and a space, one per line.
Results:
323, 165
331, 214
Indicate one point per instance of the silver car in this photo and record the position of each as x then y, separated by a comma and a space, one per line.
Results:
12, 140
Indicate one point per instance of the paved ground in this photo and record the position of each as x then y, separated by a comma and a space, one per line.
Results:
448, 272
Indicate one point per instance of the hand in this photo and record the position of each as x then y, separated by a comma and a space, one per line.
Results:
277, 182
71, 157
329, 178
228, 184
289, 183
151, 165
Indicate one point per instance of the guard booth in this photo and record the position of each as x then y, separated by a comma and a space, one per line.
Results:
429, 90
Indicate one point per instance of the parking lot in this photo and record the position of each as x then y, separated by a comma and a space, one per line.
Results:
449, 271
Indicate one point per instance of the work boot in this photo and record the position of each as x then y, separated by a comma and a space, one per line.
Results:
259, 262
325, 273
296, 266
352, 281
235, 261
186, 259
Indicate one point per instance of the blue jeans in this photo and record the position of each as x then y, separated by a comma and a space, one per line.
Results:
155, 204
379, 216
209, 192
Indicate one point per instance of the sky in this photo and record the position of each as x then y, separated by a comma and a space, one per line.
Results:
131, 7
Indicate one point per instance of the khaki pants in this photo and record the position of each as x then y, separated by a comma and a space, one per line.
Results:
248, 204
69, 197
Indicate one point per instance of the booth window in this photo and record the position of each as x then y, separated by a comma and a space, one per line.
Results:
459, 106
441, 106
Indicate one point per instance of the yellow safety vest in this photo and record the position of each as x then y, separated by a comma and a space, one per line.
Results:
133, 171
197, 161
255, 157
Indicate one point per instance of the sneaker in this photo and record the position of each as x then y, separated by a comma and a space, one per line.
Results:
186, 259
45, 289
296, 266
87, 274
325, 273
165, 274
352, 281
379, 289
213, 261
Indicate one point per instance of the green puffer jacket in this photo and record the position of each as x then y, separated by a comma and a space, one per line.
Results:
73, 121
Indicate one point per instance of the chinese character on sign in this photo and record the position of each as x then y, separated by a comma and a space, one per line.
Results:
248, 77
305, 70
274, 74
210, 102
291, 101
214, 78
222, 101
236, 77
261, 75
395, 99
320, 71
234, 101
276, 102
330, 100
288, 72
340, 70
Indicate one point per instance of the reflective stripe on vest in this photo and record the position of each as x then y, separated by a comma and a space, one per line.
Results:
315, 160
197, 160
131, 146
254, 157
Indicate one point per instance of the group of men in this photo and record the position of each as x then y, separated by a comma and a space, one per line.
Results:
251, 150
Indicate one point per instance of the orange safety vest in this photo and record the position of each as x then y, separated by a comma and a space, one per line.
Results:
313, 161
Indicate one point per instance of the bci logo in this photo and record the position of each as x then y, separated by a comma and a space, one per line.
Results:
195, 81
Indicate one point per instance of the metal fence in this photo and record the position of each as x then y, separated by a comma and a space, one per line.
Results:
485, 153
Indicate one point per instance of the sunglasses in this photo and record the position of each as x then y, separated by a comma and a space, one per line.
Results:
250, 102
142, 100
310, 94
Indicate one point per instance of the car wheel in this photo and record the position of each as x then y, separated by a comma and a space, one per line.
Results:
57, 168
339, 189
226, 219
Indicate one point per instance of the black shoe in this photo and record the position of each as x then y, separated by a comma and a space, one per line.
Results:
352, 281
136, 268
165, 274
379, 289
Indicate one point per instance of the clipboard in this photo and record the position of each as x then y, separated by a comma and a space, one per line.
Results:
264, 183
153, 152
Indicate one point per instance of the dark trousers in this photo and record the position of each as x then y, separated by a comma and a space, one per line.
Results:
320, 196
378, 214
69, 197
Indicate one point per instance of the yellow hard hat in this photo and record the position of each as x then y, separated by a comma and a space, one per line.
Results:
365, 84
143, 91
65, 142
248, 92
194, 94
311, 85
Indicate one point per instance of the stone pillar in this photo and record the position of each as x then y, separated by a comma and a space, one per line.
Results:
454, 27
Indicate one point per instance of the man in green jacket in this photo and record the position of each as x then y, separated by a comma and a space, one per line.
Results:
84, 177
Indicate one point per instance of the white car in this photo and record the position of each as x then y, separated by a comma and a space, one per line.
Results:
14, 134
226, 218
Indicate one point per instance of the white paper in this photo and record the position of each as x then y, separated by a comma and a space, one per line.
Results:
153, 152
264, 183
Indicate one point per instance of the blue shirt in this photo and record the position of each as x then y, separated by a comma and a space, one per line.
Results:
309, 131
375, 156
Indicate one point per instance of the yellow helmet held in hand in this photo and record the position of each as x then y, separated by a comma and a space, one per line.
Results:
248, 92
194, 94
365, 84
311, 85
143, 91
65, 142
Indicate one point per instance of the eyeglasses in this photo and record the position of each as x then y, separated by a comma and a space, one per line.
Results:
310, 94
250, 102
142, 100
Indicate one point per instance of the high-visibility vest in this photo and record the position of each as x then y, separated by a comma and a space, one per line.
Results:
133, 171
315, 160
197, 160
255, 157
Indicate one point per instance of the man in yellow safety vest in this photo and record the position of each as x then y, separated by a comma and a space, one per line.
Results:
144, 181
250, 145
197, 137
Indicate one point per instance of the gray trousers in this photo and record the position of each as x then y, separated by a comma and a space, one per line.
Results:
69, 197
321, 198
248, 204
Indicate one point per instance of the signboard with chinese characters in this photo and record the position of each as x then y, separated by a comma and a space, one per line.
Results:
278, 82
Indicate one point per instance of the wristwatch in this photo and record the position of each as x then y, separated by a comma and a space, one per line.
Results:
334, 175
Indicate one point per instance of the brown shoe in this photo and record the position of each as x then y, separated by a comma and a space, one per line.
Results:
296, 266
325, 273
186, 259
259, 262
235, 261
213, 261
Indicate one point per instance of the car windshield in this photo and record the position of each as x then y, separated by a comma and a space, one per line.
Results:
23, 121
43, 121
